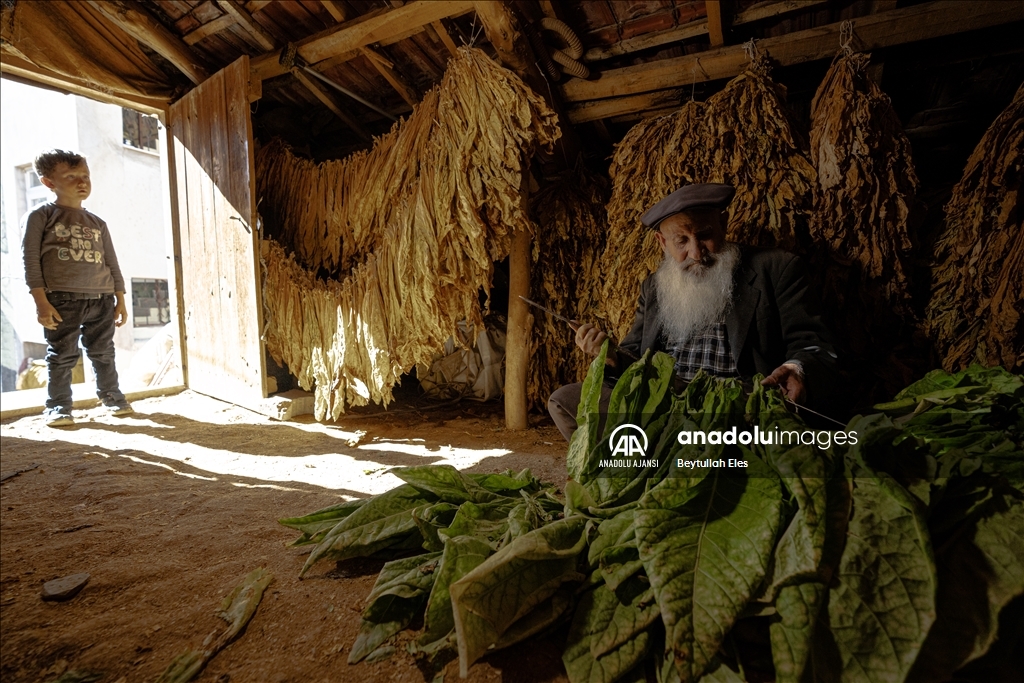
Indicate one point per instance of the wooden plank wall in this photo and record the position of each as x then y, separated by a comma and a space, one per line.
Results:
213, 168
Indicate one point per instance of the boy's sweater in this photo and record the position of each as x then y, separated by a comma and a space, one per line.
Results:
69, 250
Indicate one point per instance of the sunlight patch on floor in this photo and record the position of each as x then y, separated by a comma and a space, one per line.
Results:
350, 469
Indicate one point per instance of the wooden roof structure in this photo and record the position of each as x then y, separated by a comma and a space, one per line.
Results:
353, 66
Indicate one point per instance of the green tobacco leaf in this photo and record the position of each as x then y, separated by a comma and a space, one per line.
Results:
883, 602
384, 521
315, 524
641, 390
980, 571
487, 522
508, 483
707, 557
792, 633
542, 616
613, 551
445, 482
236, 609
397, 598
462, 554
509, 584
609, 636
432, 520
587, 419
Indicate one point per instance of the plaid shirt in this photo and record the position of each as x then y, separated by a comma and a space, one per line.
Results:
707, 350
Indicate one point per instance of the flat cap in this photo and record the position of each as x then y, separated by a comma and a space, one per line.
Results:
688, 197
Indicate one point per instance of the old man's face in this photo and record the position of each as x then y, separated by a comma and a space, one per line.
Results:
693, 238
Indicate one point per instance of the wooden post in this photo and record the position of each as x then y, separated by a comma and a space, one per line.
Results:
520, 321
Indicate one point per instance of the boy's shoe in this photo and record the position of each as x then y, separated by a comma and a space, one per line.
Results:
120, 409
58, 417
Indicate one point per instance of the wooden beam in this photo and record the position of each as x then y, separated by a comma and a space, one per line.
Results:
254, 6
882, 6
767, 10
623, 47
919, 22
387, 70
446, 37
251, 26
715, 29
618, 106
209, 28
334, 9
327, 99
24, 70
357, 34
384, 27
137, 23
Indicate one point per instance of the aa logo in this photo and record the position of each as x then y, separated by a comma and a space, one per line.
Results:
628, 440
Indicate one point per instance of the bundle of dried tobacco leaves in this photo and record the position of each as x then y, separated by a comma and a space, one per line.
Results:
753, 145
976, 310
571, 222
410, 231
866, 180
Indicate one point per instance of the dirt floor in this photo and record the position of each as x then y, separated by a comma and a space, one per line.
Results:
170, 508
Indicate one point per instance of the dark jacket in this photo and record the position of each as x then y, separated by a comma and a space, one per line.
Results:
772, 320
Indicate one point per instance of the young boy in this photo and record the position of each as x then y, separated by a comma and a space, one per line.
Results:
72, 272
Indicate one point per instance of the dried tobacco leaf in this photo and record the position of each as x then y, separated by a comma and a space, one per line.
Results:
866, 179
976, 311
571, 231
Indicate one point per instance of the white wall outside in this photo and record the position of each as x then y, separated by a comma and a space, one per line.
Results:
129, 193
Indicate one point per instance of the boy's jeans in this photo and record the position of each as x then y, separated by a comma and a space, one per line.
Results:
93, 320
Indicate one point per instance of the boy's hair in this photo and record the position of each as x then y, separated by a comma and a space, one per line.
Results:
46, 163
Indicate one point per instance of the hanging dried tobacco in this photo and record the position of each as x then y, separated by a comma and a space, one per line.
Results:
753, 145
976, 310
408, 233
866, 180
571, 224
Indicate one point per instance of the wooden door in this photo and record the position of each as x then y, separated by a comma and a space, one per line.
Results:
211, 160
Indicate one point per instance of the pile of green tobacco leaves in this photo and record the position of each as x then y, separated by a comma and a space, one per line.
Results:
896, 558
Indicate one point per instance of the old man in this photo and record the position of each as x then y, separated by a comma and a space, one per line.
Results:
717, 306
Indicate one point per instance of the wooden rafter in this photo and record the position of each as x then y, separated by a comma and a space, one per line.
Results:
335, 10
919, 22
446, 37
655, 39
137, 23
387, 70
246, 21
327, 99
715, 29
222, 22
342, 42
209, 28
768, 10
606, 109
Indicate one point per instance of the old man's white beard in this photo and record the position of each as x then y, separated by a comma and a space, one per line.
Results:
691, 300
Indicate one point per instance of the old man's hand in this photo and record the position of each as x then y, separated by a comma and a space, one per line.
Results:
789, 379
589, 338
